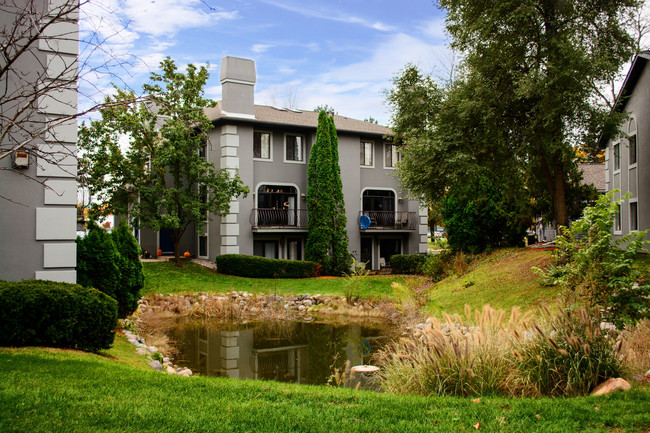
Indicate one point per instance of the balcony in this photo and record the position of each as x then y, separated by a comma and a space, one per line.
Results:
387, 220
279, 219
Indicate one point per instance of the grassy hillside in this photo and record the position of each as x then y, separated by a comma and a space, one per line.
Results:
502, 279
55, 390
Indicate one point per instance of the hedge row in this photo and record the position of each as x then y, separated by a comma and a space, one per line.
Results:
261, 267
47, 313
407, 263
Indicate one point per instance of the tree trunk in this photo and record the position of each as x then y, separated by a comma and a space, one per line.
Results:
558, 194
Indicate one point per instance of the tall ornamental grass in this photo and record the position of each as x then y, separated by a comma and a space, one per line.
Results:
563, 354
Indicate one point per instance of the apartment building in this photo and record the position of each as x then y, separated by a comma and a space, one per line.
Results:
269, 147
627, 158
38, 168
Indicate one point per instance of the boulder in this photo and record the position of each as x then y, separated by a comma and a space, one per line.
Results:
611, 385
156, 365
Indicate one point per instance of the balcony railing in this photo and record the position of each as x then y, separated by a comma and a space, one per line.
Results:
279, 218
387, 220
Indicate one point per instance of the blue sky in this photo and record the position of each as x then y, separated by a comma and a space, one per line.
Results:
307, 53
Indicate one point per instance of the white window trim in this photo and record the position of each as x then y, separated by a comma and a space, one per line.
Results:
374, 154
303, 152
270, 158
388, 167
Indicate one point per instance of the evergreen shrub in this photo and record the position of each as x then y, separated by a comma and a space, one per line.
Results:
111, 264
261, 267
407, 263
53, 314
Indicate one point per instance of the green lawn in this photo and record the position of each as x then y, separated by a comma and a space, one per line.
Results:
163, 277
45, 390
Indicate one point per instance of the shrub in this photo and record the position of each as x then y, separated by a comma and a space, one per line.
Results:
407, 263
132, 278
485, 215
436, 267
262, 267
47, 313
100, 265
590, 265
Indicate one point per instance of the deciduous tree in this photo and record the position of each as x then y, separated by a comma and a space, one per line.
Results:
161, 181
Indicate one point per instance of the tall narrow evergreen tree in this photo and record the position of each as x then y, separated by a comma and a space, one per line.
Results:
341, 259
327, 240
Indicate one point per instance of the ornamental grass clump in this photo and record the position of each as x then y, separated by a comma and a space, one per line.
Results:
454, 358
568, 356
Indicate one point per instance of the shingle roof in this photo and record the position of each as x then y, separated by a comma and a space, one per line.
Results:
593, 174
298, 118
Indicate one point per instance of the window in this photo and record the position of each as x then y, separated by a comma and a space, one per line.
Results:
261, 145
617, 157
294, 147
617, 220
634, 216
632, 148
293, 249
203, 246
392, 155
268, 249
202, 151
366, 154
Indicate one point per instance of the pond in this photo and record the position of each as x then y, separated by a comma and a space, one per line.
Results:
286, 351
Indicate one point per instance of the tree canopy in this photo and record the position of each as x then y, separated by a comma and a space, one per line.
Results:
523, 101
162, 181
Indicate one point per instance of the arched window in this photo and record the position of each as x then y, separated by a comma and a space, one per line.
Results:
378, 200
631, 144
276, 197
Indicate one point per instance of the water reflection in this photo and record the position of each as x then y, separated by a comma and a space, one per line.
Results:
301, 352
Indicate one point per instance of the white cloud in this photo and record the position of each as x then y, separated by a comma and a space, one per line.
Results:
261, 48
166, 17
327, 13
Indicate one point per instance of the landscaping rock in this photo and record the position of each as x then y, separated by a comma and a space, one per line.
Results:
647, 375
140, 352
156, 365
611, 385
185, 372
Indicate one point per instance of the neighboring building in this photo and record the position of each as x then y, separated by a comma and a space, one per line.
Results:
270, 148
627, 158
38, 188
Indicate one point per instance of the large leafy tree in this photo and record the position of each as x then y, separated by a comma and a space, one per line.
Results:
161, 180
524, 98
327, 238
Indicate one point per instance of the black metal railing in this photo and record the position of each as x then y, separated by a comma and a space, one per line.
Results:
395, 220
279, 218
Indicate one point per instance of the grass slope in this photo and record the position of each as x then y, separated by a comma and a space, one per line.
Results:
163, 277
55, 390
503, 279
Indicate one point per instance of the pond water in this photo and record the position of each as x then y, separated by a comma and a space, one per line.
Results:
286, 351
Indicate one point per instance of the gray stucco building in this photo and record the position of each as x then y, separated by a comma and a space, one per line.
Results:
270, 148
38, 105
627, 158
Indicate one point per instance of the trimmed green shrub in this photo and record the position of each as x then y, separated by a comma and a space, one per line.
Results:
52, 314
132, 278
261, 267
100, 265
407, 263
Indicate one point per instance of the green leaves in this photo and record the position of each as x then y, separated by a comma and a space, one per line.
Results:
160, 180
327, 238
